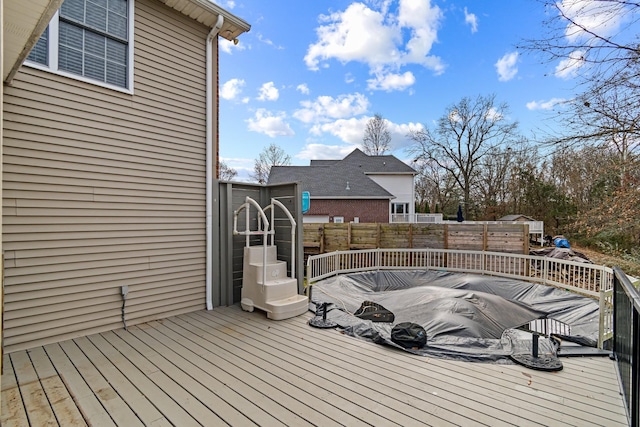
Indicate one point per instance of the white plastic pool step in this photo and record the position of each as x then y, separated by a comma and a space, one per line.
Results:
273, 292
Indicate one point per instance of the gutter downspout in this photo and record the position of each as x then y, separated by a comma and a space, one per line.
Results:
210, 152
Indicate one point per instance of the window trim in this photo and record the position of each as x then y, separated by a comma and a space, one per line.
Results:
53, 49
395, 205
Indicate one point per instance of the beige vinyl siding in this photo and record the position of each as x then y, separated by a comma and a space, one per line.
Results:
104, 189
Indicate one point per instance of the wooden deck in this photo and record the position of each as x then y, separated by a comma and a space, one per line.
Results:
228, 367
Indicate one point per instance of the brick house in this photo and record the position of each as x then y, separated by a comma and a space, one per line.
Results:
358, 188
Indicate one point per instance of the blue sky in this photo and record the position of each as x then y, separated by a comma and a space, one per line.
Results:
310, 74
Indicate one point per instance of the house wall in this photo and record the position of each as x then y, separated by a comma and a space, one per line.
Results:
401, 186
1, 144
365, 210
104, 189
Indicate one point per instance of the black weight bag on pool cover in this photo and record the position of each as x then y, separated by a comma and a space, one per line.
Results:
370, 310
409, 335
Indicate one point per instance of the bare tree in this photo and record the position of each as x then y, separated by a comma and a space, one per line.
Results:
435, 189
491, 188
225, 172
462, 137
377, 137
609, 117
595, 41
272, 155
601, 33
597, 146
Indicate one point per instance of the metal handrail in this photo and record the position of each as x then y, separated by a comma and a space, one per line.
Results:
589, 279
626, 342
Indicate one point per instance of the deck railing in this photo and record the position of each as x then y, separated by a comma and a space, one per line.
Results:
626, 341
592, 280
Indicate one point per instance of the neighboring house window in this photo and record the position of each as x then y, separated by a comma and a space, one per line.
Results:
400, 208
338, 219
91, 40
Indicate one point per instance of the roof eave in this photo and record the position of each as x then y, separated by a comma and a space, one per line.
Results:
23, 26
206, 12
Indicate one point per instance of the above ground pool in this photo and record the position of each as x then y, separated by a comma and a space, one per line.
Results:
466, 316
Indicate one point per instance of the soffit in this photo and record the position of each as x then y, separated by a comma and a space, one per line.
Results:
206, 12
24, 21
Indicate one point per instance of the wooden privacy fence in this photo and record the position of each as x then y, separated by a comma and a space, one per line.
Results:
321, 238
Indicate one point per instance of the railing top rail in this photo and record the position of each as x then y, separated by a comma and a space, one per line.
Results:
630, 290
553, 261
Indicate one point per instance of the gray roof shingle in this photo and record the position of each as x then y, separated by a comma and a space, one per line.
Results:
328, 179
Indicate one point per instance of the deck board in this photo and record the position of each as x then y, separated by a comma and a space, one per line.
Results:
139, 404
216, 393
352, 380
64, 408
278, 363
414, 379
143, 357
160, 398
88, 403
257, 401
465, 395
13, 412
229, 367
39, 411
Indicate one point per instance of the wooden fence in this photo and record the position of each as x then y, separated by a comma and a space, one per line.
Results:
321, 238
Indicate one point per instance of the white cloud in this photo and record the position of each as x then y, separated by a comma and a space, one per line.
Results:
506, 66
375, 37
325, 152
348, 130
544, 105
243, 166
227, 46
268, 42
568, 68
423, 21
303, 88
270, 124
268, 92
471, 19
229, 4
356, 34
390, 82
493, 115
325, 108
231, 89
352, 130
587, 16
399, 132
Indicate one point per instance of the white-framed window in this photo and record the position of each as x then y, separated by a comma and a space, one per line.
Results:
399, 208
89, 40
338, 219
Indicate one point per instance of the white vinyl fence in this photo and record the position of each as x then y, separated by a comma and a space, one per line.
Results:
588, 279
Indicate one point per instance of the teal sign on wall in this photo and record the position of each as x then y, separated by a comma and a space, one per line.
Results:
305, 201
